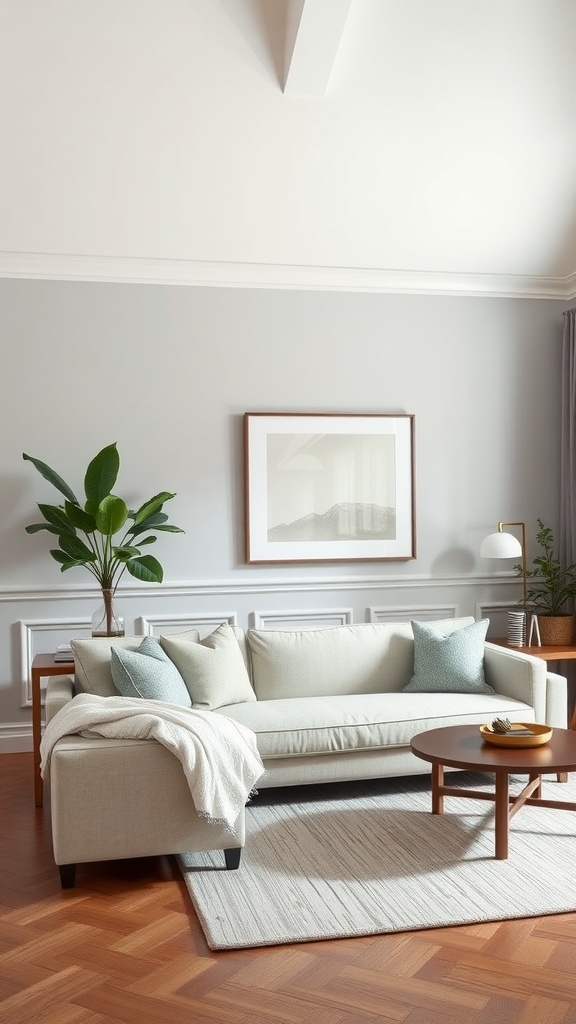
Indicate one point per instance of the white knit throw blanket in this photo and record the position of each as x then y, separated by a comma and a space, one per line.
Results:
219, 756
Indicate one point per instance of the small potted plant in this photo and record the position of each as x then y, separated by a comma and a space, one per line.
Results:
551, 597
102, 534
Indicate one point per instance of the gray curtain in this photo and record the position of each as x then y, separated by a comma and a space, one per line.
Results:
567, 532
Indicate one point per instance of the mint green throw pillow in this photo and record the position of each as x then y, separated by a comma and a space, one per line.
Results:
449, 664
148, 673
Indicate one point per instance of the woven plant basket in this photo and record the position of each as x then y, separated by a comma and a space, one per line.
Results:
556, 630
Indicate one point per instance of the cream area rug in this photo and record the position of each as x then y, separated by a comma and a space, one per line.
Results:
328, 862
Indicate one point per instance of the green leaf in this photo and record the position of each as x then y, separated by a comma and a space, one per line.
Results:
168, 529
147, 568
80, 519
56, 516
111, 515
52, 477
101, 474
36, 527
149, 508
65, 561
149, 524
61, 556
148, 540
125, 552
76, 548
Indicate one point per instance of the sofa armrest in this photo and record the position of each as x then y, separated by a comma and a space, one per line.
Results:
557, 700
524, 677
59, 691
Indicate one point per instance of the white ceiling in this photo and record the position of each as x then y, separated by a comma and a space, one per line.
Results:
421, 145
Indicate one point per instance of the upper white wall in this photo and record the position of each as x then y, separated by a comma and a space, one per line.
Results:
160, 131
169, 372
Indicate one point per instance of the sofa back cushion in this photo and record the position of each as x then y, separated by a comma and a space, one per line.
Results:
92, 661
363, 658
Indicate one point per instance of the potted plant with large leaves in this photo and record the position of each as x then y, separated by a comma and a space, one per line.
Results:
553, 593
102, 534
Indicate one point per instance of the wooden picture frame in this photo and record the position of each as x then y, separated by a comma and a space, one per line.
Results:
324, 487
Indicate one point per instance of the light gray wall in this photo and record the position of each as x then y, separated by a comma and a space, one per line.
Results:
168, 372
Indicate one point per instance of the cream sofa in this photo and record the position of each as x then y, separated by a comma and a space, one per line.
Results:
327, 705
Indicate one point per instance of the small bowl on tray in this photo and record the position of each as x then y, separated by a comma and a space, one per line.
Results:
521, 734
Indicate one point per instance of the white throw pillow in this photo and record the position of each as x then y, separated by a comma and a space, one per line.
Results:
213, 669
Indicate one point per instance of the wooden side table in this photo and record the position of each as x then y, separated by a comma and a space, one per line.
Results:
547, 653
42, 665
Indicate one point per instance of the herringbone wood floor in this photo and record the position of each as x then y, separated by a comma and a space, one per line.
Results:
125, 947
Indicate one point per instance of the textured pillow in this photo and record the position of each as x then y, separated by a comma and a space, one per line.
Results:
449, 664
213, 669
148, 673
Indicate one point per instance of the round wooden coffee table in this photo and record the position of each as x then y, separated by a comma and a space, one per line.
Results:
461, 746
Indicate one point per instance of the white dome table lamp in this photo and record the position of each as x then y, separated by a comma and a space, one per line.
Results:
506, 545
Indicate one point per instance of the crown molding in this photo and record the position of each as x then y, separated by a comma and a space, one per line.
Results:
571, 286
135, 270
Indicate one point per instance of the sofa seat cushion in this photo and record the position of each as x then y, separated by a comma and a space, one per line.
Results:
324, 725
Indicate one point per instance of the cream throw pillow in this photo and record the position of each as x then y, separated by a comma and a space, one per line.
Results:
92, 664
213, 669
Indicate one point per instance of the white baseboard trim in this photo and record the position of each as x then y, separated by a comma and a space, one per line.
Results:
16, 738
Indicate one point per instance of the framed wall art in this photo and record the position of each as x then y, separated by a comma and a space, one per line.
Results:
328, 487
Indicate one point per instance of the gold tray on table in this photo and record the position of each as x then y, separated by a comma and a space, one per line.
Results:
522, 734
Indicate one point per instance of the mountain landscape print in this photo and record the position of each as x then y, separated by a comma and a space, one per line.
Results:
345, 520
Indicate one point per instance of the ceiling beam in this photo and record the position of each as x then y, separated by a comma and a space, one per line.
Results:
312, 45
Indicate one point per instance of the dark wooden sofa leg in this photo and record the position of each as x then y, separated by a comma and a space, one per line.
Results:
67, 875
232, 858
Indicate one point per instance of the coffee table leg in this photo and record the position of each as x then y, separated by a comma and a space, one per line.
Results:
502, 816
537, 794
437, 784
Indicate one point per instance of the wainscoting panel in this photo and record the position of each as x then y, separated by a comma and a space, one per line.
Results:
424, 613
497, 612
35, 636
152, 625
310, 618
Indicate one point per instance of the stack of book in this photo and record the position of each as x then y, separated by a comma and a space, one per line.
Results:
63, 653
